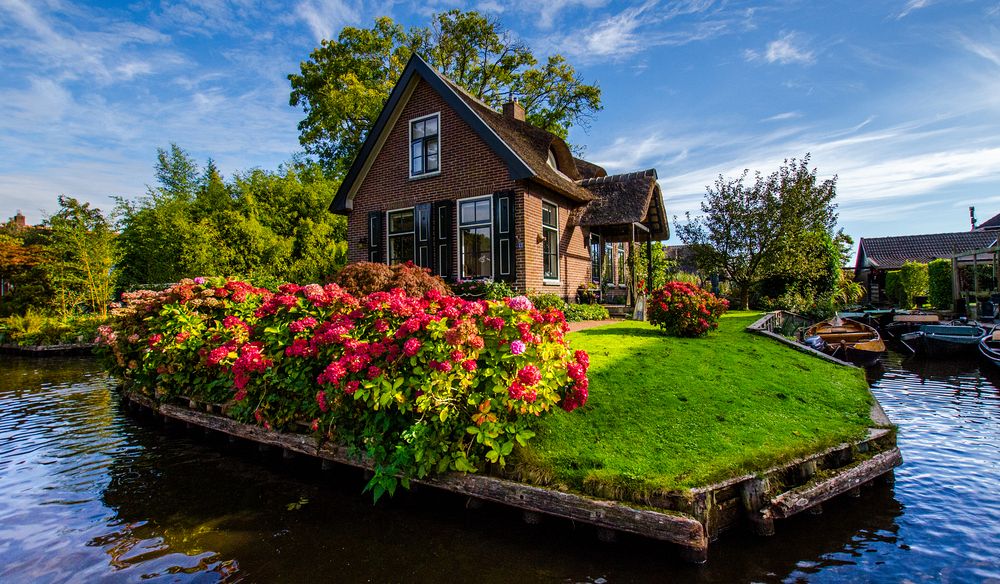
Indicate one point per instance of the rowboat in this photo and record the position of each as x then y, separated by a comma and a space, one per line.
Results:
938, 340
846, 339
908, 323
989, 347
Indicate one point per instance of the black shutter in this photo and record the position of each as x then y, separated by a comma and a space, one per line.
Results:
422, 232
441, 236
375, 236
504, 254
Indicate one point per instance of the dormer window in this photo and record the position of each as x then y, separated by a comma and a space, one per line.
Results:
425, 159
552, 160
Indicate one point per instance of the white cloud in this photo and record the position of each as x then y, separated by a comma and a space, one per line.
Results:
913, 5
986, 51
783, 116
786, 50
325, 18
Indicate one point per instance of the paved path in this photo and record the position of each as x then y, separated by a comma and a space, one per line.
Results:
586, 324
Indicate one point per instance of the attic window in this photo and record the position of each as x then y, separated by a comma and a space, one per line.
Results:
552, 160
425, 159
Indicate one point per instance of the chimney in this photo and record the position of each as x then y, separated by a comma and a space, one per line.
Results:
972, 217
512, 109
19, 221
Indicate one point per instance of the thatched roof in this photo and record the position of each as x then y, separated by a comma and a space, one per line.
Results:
623, 199
589, 169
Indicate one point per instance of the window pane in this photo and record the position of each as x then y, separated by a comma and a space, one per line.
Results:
477, 211
418, 130
432, 145
418, 166
483, 210
550, 255
548, 215
477, 252
468, 212
400, 249
401, 221
416, 150
431, 126
432, 162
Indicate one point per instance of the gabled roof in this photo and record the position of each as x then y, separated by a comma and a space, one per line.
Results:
889, 253
523, 147
626, 198
991, 223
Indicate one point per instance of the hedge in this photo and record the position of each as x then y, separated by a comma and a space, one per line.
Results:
940, 279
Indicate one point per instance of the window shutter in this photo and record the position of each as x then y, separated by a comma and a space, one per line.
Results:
375, 244
504, 265
442, 236
422, 231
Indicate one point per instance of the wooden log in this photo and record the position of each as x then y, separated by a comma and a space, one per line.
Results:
797, 500
806, 470
753, 495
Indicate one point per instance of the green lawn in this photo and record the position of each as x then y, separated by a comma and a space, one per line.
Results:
667, 413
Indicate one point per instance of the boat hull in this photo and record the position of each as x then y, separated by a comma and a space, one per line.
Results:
944, 340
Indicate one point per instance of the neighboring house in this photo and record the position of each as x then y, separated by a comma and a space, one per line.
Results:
878, 255
445, 181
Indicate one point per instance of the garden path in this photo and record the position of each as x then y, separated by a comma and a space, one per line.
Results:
586, 324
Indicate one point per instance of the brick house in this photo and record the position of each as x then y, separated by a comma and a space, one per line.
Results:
445, 181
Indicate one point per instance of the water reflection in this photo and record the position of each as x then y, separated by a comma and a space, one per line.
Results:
90, 493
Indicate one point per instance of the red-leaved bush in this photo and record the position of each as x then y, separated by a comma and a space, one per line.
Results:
684, 310
418, 385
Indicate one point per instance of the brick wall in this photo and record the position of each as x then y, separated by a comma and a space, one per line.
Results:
468, 168
574, 255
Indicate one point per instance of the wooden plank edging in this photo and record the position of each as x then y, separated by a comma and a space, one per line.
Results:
758, 328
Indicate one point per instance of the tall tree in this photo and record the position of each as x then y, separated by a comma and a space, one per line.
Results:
82, 248
344, 84
749, 231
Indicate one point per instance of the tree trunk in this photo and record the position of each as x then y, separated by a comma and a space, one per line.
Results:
745, 297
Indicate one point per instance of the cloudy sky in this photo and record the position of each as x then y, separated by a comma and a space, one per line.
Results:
900, 99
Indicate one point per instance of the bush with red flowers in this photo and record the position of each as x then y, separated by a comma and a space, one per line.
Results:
685, 310
417, 385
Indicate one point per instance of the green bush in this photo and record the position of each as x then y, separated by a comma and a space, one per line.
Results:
418, 385
894, 288
33, 329
939, 278
578, 312
482, 289
547, 301
913, 279
683, 310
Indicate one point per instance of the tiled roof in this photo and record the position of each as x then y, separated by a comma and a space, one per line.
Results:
991, 223
889, 253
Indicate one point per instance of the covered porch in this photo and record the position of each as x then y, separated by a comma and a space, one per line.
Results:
627, 218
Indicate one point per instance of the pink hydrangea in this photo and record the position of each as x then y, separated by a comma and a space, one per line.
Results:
352, 387
517, 347
411, 347
529, 375
515, 390
520, 303
469, 365
303, 324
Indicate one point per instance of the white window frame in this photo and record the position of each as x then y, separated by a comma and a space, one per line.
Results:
388, 248
621, 267
458, 235
545, 227
409, 146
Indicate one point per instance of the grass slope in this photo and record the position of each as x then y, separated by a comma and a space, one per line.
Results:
668, 413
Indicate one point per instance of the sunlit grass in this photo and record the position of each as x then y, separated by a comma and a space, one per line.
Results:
668, 413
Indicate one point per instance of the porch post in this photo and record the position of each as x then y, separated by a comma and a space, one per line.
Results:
649, 262
955, 284
631, 266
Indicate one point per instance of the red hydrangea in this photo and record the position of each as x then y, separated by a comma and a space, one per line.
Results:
529, 375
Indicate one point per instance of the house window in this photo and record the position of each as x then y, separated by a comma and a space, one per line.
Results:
475, 236
621, 265
400, 234
424, 155
608, 265
595, 257
550, 245
552, 160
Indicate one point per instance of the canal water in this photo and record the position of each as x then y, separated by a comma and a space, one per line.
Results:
91, 493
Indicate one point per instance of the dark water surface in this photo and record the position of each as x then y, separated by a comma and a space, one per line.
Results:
89, 493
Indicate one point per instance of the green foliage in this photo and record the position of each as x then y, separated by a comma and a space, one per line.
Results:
482, 289
548, 301
683, 310
259, 225
781, 225
664, 268
345, 82
914, 281
417, 385
81, 257
578, 312
939, 284
33, 329
894, 288
671, 413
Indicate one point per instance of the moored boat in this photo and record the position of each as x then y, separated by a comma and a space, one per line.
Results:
846, 339
989, 347
939, 340
908, 323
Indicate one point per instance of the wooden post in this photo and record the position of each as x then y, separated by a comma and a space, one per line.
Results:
649, 262
955, 284
753, 495
631, 266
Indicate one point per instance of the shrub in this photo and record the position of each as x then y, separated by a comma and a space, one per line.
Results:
913, 278
578, 312
939, 283
548, 301
684, 310
587, 293
365, 278
482, 289
33, 329
416, 385
894, 288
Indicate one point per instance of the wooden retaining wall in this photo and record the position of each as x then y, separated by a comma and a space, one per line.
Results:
48, 350
776, 325
688, 519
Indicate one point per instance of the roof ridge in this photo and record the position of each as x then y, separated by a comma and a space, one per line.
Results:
956, 233
649, 172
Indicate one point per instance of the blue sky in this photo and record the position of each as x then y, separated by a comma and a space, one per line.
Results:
900, 99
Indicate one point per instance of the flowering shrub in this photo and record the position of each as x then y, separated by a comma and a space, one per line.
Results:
418, 385
482, 289
685, 310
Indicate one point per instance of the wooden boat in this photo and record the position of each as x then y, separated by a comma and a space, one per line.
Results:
989, 347
846, 339
908, 323
874, 317
940, 340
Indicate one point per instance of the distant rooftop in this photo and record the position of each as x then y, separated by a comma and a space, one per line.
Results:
889, 253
